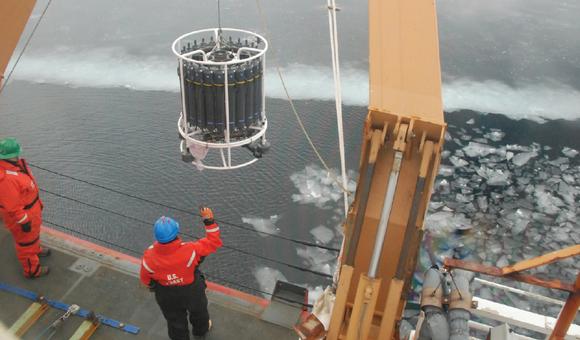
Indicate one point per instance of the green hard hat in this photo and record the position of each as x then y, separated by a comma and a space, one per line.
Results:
9, 148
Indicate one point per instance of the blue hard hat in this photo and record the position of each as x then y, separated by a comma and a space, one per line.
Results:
166, 229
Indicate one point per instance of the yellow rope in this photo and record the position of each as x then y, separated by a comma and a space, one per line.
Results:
330, 172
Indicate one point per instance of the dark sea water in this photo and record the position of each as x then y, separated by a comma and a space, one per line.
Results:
98, 102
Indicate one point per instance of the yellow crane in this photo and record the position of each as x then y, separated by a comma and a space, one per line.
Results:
402, 140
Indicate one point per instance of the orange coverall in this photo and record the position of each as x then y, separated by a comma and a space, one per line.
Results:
21, 210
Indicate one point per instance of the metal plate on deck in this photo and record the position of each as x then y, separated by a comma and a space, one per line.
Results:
84, 266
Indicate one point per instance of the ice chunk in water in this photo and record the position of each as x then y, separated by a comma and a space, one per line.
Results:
569, 152
482, 203
519, 220
263, 225
509, 155
435, 205
445, 222
314, 293
515, 147
322, 234
547, 203
445, 154
470, 122
494, 177
316, 186
495, 135
502, 262
561, 235
318, 259
474, 149
446, 170
523, 157
458, 162
267, 278
569, 179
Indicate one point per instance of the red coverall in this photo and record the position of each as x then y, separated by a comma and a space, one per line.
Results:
21, 208
179, 287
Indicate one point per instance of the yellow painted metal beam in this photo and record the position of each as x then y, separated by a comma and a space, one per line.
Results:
28, 318
85, 330
542, 260
14, 15
340, 302
404, 65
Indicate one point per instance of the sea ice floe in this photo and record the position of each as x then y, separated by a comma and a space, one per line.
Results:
318, 259
446, 170
267, 278
264, 225
445, 222
546, 201
474, 149
523, 157
458, 162
495, 135
317, 186
494, 177
569, 152
322, 234
521, 200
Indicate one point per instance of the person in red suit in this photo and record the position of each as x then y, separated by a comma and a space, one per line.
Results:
21, 208
170, 269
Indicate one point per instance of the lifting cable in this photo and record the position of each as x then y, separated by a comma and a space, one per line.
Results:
5, 82
191, 236
235, 225
139, 253
291, 102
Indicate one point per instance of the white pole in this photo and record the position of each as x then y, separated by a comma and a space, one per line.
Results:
385, 214
263, 87
338, 95
227, 100
182, 84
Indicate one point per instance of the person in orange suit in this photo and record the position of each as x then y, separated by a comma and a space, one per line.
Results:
21, 208
170, 268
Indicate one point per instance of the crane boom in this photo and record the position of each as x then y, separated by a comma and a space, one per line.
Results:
13, 17
402, 140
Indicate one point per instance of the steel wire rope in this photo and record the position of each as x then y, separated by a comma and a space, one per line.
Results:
24, 47
131, 250
232, 224
294, 111
191, 235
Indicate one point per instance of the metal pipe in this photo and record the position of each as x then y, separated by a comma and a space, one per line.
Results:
460, 303
520, 292
385, 214
227, 103
435, 324
182, 84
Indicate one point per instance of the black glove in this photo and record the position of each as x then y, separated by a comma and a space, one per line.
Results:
26, 227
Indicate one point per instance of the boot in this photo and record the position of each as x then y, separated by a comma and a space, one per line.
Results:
42, 271
44, 252
203, 337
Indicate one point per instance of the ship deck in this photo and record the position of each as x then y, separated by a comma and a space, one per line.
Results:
106, 282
